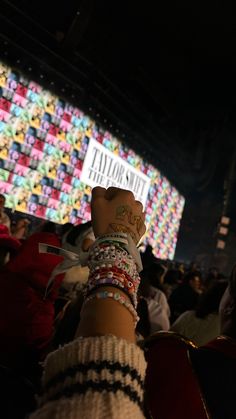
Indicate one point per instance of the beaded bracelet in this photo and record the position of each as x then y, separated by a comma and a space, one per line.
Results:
117, 274
102, 285
113, 283
118, 266
114, 256
117, 297
122, 241
111, 265
117, 277
126, 242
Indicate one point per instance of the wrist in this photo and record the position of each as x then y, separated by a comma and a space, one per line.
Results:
116, 297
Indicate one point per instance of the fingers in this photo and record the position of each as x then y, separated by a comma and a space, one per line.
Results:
113, 192
139, 206
98, 192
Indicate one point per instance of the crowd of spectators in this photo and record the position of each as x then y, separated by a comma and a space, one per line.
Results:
42, 292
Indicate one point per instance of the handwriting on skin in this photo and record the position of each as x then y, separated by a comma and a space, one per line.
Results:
125, 213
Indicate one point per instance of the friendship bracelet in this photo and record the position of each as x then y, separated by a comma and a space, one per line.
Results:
102, 285
126, 242
119, 237
111, 265
109, 239
112, 256
119, 264
108, 246
117, 297
115, 276
112, 272
113, 283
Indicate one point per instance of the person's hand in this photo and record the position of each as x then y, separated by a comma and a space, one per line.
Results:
115, 210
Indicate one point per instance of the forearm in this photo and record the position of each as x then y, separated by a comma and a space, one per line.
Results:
111, 297
101, 374
106, 317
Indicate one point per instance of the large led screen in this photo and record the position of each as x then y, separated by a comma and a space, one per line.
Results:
45, 171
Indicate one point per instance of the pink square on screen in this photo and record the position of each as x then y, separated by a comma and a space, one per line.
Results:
5, 187
65, 126
21, 170
77, 173
52, 203
4, 116
66, 188
19, 100
50, 139
37, 154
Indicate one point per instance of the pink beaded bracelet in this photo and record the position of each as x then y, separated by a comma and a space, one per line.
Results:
117, 297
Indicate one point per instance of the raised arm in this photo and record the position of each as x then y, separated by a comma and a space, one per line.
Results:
101, 373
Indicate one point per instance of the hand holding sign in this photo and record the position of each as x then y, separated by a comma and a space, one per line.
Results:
115, 210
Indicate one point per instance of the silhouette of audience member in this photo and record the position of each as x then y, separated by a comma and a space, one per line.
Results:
148, 257
203, 324
158, 307
185, 296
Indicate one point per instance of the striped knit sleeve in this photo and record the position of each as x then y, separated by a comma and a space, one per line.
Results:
95, 377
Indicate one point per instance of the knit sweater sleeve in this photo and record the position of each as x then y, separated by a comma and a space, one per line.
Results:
94, 377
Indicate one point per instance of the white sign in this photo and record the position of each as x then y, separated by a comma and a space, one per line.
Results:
103, 168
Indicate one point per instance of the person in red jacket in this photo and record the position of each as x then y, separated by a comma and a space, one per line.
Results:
26, 305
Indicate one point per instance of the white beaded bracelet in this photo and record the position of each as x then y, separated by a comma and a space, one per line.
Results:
125, 241
117, 297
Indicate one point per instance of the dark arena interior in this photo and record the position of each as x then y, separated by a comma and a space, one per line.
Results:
133, 96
